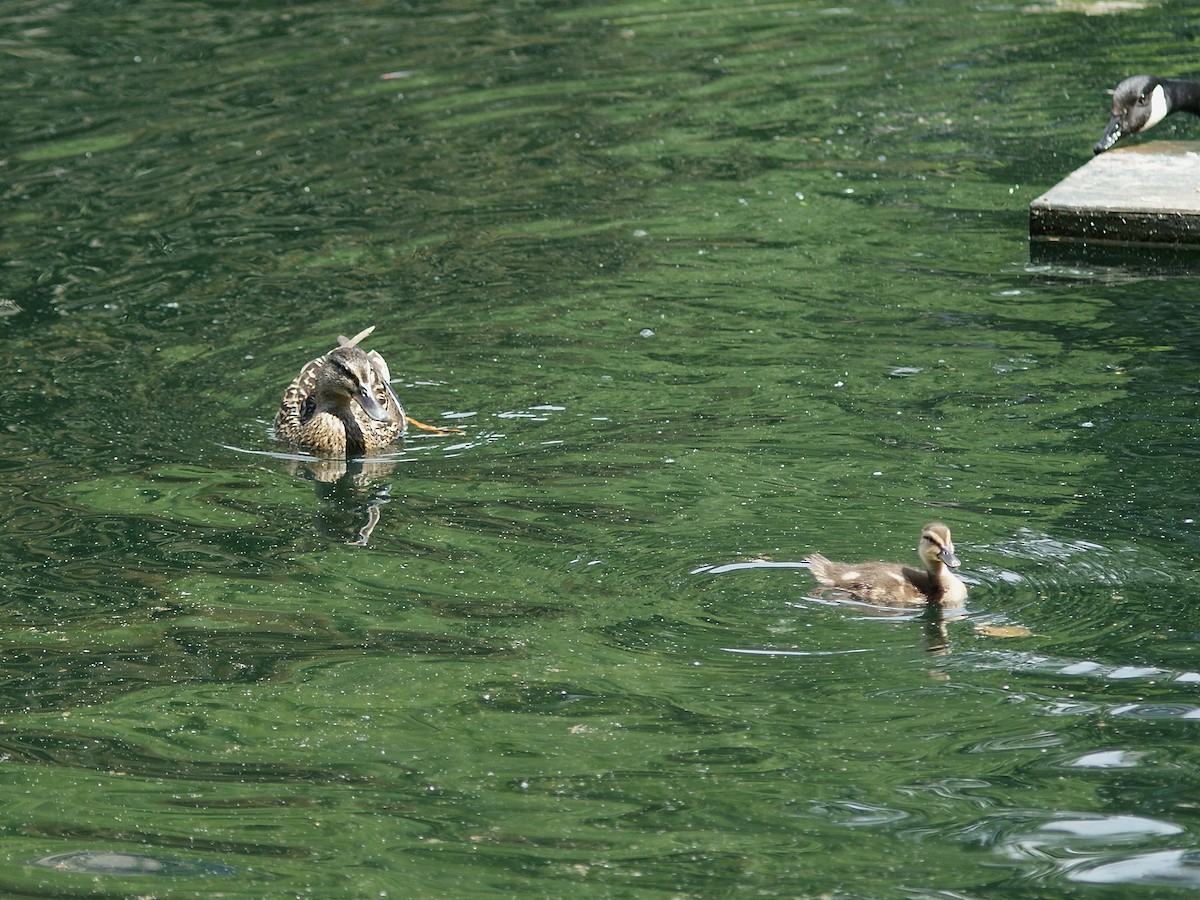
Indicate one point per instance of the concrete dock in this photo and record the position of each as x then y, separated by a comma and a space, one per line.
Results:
1146, 193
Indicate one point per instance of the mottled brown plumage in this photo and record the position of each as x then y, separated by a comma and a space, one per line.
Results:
893, 584
341, 404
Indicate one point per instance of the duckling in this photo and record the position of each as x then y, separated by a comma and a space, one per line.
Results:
1142, 101
341, 404
893, 584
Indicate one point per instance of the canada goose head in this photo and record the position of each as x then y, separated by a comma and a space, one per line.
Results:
348, 376
936, 548
1139, 102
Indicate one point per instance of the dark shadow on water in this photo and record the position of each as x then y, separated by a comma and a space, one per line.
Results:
1112, 263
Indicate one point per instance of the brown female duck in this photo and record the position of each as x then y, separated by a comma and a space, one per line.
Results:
893, 584
341, 404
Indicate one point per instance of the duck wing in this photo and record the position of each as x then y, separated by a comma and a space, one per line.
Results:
888, 584
299, 402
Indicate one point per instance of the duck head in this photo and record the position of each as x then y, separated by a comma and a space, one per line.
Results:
347, 376
936, 548
1139, 102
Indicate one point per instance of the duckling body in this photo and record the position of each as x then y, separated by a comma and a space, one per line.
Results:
894, 584
1142, 101
341, 404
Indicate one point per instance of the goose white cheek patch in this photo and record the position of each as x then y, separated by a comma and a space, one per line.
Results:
1158, 107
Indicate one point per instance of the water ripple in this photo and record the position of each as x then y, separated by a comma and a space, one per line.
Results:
1174, 868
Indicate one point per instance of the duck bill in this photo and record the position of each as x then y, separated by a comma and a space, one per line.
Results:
371, 406
399, 409
1111, 135
948, 558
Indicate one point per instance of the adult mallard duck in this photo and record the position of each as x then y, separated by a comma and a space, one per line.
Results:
341, 404
893, 584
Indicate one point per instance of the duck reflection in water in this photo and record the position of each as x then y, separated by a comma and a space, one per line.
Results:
342, 406
351, 492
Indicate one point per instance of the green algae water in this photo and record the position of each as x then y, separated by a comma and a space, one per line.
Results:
707, 288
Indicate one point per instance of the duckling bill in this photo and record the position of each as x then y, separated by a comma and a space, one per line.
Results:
893, 584
1142, 101
341, 404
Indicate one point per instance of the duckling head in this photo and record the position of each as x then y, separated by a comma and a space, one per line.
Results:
347, 376
936, 548
1139, 102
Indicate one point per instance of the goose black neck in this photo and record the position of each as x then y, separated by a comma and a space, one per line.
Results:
1182, 95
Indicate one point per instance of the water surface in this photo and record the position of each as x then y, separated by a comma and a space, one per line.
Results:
705, 287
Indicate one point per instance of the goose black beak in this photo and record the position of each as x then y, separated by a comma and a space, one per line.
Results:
1111, 135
